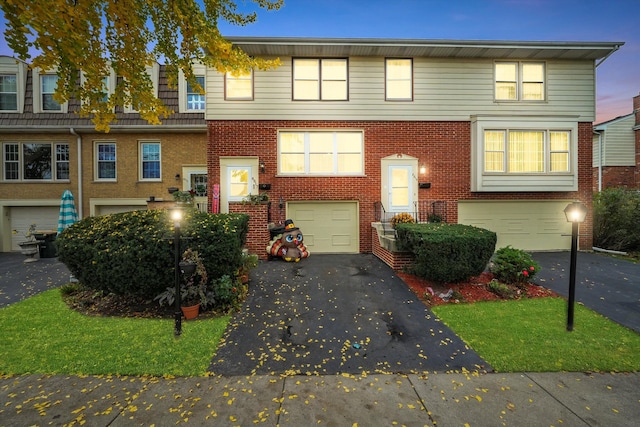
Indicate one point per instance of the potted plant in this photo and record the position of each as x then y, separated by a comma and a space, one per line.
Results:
193, 292
249, 261
31, 246
184, 197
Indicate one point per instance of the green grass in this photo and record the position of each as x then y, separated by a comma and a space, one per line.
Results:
530, 335
42, 335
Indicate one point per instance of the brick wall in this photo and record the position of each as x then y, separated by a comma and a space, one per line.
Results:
258, 236
443, 147
396, 260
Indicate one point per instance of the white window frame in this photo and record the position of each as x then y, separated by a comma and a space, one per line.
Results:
229, 79
98, 161
153, 71
54, 160
321, 81
390, 79
9, 94
12, 66
307, 153
520, 82
142, 160
37, 93
109, 83
199, 71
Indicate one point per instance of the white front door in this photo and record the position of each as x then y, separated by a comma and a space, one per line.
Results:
400, 196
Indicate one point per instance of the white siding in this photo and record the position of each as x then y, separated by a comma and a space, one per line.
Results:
444, 89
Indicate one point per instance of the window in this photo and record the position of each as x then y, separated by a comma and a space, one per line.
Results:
320, 153
320, 79
8, 92
36, 161
195, 99
520, 81
238, 87
239, 179
399, 80
105, 160
150, 160
526, 151
48, 84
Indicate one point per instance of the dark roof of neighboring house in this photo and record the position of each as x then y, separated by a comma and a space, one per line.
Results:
494, 49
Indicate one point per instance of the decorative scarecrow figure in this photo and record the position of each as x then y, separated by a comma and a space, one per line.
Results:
288, 245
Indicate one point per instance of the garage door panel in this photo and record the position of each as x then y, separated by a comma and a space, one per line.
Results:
21, 217
328, 227
528, 225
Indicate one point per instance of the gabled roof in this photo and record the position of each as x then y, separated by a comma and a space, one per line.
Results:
286, 46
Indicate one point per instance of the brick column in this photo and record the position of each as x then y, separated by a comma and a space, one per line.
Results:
258, 236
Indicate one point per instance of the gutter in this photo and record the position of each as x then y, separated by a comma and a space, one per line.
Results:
614, 50
79, 150
600, 148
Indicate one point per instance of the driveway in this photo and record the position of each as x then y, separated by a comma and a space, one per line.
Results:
330, 314
605, 284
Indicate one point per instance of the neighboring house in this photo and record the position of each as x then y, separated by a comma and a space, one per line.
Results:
616, 151
349, 131
48, 148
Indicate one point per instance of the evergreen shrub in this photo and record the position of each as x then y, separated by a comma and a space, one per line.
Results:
132, 253
513, 266
616, 215
446, 253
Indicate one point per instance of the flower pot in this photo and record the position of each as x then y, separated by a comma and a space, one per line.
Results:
31, 249
191, 312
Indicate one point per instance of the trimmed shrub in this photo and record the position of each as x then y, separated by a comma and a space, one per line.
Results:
446, 253
616, 215
132, 253
514, 266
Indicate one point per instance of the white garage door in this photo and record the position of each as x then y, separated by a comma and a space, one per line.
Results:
45, 218
327, 227
527, 225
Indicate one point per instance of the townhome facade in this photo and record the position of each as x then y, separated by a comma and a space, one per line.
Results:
48, 148
616, 151
347, 132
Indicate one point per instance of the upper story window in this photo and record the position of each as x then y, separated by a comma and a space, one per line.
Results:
105, 161
399, 79
44, 87
35, 161
8, 92
520, 81
108, 85
320, 79
192, 100
238, 87
153, 71
195, 99
320, 153
526, 151
150, 161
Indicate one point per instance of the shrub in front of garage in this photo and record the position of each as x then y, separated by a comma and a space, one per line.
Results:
513, 266
446, 253
132, 253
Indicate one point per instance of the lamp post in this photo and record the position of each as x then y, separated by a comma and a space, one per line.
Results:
176, 215
576, 213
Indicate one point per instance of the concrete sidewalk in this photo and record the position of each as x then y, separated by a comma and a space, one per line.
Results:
458, 399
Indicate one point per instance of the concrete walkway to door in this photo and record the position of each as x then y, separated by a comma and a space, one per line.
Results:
331, 314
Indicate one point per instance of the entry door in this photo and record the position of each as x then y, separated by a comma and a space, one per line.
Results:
400, 189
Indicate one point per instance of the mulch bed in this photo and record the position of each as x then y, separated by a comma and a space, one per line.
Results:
473, 290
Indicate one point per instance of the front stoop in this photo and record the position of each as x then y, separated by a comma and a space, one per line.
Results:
385, 247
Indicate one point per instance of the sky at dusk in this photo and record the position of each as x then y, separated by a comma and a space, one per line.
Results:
618, 78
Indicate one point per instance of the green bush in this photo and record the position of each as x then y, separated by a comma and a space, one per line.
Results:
446, 253
514, 266
616, 215
132, 253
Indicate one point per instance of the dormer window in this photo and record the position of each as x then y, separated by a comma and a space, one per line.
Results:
8, 92
44, 88
13, 78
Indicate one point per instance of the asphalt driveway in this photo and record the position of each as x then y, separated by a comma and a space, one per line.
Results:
332, 314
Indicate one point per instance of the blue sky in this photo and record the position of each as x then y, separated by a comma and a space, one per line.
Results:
618, 78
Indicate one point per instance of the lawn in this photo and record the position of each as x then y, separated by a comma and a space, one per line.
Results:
530, 335
42, 335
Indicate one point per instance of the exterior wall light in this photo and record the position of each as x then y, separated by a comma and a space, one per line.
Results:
576, 213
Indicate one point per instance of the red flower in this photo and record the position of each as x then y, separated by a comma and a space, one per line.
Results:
234, 290
525, 273
532, 268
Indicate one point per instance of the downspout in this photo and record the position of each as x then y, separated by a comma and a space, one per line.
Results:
79, 150
599, 160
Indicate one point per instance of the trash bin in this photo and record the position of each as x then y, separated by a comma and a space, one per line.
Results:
47, 243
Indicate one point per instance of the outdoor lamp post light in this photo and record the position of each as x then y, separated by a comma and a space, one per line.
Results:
176, 216
575, 213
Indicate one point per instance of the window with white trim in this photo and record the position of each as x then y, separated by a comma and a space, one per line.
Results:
195, 99
150, 161
399, 79
238, 87
526, 151
8, 92
320, 79
48, 83
338, 153
105, 161
33, 161
519, 81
